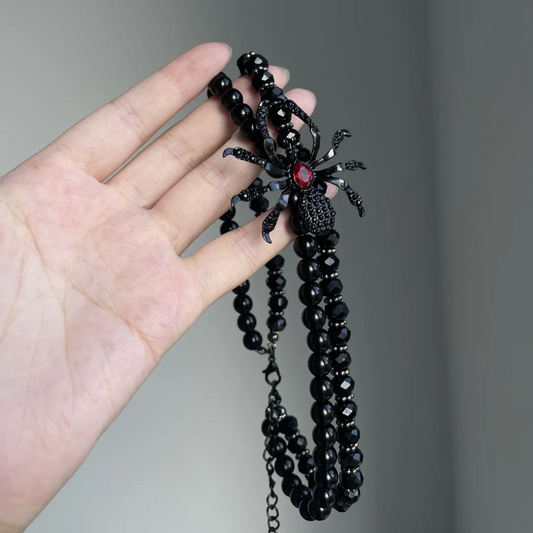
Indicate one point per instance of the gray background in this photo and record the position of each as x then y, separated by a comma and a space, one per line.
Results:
438, 96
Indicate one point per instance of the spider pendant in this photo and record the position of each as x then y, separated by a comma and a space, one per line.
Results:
303, 187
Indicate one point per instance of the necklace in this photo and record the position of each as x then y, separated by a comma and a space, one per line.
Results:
321, 486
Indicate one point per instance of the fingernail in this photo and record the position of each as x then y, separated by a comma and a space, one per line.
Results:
229, 48
287, 73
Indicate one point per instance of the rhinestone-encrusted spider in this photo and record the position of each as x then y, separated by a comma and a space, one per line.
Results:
303, 188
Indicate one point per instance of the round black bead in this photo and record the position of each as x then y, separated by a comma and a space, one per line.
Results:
325, 457
329, 263
308, 270
319, 364
352, 481
329, 240
304, 155
284, 465
306, 464
346, 411
255, 62
299, 493
313, 317
296, 225
276, 323
227, 226
243, 304
276, 446
259, 205
279, 116
276, 263
288, 139
331, 287
324, 435
318, 340
243, 288
278, 303
321, 389
310, 294
322, 412
288, 425
304, 512
324, 497
317, 512
290, 481
220, 84
326, 477
294, 197
249, 130
229, 214
240, 113
276, 282
274, 93
305, 246
246, 322
252, 340
267, 427
351, 459
339, 335
337, 311
262, 80
297, 444
343, 385
349, 436
231, 98
341, 360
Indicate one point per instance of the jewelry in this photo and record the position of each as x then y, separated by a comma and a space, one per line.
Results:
303, 189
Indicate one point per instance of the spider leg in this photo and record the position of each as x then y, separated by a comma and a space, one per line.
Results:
353, 196
251, 193
245, 155
338, 137
272, 218
268, 142
340, 167
297, 111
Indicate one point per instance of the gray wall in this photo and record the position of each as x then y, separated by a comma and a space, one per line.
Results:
428, 275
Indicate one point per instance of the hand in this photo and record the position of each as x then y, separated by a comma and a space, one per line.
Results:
94, 291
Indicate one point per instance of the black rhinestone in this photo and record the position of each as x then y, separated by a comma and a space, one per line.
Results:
339, 335
324, 435
343, 385
231, 98
329, 240
228, 225
252, 340
341, 360
331, 287
297, 444
277, 303
308, 270
276, 323
279, 115
259, 204
346, 411
318, 340
243, 304
249, 129
305, 246
329, 263
289, 482
288, 425
274, 93
276, 282
240, 113
299, 493
337, 311
246, 322
325, 457
319, 364
352, 481
276, 446
306, 464
321, 389
324, 497
229, 214
243, 288
296, 225
322, 412
349, 436
267, 427
304, 512
220, 84
313, 317
326, 477
310, 294
351, 459
262, 79
304, 155
276, 263
284, 465
317, 512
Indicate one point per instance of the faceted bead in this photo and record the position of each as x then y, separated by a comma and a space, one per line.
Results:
276, 263
243, 288
227, 226
278, 303
267, 427
262, 80
274, 93
324, 497
348, 496
209, 93
343, 385
276, 446
324, 436
304, 512
341, 360
231, 98
252, 340
321, 389
329, 263
246, 322
279, 115
289, 482
322, 412
220, 84
317, 512
313, 317
351, 459
331, 287
284, 465
308, 270
296, 225
259, 205
318, 340
319, 364
288, 425
326, 477
302, 173
339, 335
276, 323
243, 304
276, 282
305, 246
310, 294
288, 139
337, 311
297, 444
349, 436
229, 214
258, 182
255, 62
325, 457
240, 64
346, 411
329, 240
249, 129
299, 493
306, 464
240, 113
352, 481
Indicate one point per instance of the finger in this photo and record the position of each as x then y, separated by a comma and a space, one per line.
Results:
104, 140
183, 147
201, 197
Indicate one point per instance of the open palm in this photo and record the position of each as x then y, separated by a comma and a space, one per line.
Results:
94, 291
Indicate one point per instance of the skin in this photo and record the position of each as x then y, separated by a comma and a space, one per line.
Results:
94, 290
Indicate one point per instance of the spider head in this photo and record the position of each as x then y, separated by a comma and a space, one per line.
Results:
296, 154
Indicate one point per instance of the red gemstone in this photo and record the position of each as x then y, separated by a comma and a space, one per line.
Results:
302, 174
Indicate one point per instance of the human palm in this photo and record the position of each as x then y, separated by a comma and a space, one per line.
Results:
94, 290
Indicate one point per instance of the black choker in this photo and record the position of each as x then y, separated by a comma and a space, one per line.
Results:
312, 218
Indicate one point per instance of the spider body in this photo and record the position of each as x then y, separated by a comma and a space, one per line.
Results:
303, 186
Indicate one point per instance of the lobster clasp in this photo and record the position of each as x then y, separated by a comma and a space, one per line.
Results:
272, 374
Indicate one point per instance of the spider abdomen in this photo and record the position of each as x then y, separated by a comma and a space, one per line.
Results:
316, 211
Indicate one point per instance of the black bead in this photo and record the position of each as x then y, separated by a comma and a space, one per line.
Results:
259, 205
250, 130
294, 198
340, 360
304, 512
227, 226
240, 113
297, 444
278, 303
351, 459
349, 436
296, 225
276, 323
311, 480
318, 340
324, 497
267, 427
276, 263
304, 155
308, 270
306, 464
324, 457
252, 340
322, 412
254, 62
284, 465
329, 240
329, 263
288, 425
276, 282
209, 93
231, 98
343, 385
317, 512
352, 481
289, 482
321, 389
310, 294
326, 477
258, 182
274, 93
229, 214
220, 84
345, 499
279, 116
305, 246
299, 493
243, 288
262, 80
319, 364
339, 335
337, 311
313, 317
331, 287
288, 139
346, 411
246, 322
324, 436
243, 304
276, 446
